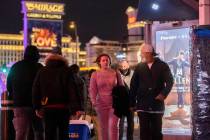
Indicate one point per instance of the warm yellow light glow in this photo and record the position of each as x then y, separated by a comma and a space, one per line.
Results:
72, 25
136, 25
44, 7
68, 50
130, 9
66, 39
131, 20
82, 52
11, 47
44, 16
82, 60
42, 37
16, 37
88, 68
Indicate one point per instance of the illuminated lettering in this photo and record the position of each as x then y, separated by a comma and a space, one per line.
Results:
44, 42
44, 7
44, 16
40, 42
43, 38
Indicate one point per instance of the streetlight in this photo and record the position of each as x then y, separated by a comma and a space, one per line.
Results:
155, 6
72, 25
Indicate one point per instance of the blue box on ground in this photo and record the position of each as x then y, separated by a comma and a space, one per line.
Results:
79, 130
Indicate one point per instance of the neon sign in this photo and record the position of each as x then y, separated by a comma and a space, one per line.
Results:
41, 37
44, 16
131, 19
40, 7
135, 25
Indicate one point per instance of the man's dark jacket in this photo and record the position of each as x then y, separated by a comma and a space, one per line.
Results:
20, 81
146, 84
54, 85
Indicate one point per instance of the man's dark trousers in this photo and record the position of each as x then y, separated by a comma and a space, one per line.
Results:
130, 126
150, 126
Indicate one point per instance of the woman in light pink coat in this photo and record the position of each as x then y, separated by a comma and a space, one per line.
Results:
101, 85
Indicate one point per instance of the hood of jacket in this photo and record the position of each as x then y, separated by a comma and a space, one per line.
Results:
31, 53
55, 60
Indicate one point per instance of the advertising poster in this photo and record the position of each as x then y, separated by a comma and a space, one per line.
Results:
173, 47
45, 35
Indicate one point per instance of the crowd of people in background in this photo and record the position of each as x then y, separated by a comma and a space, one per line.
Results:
47, 97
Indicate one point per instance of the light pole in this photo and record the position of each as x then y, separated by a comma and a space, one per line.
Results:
72, 25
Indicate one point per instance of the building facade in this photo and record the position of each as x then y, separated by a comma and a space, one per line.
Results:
11, 49
118, 51
135, 28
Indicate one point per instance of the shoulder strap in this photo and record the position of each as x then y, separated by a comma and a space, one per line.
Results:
96, 79
117, 77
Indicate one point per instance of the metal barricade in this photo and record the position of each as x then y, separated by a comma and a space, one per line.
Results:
7, 128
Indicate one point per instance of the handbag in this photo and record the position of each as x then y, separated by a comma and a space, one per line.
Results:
120, 99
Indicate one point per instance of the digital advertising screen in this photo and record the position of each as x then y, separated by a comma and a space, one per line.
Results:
44, 34
173, 47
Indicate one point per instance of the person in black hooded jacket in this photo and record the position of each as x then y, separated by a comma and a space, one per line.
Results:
19, 85
53, 92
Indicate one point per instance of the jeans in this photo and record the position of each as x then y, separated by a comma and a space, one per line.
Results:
180, 93
130, 126
27, 125
150, 126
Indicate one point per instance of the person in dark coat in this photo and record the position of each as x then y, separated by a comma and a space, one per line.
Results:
126, 74
19, 85
151, 83
53, 92
80, 84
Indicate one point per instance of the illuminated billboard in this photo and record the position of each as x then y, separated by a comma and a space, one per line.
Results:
44, 7
42, 37
173, 47
43, 10
42, 23
44, 34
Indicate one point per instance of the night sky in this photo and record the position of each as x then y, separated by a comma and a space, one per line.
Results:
103, 18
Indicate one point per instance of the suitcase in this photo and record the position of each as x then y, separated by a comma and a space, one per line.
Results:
79, 130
